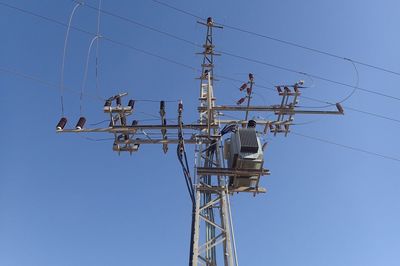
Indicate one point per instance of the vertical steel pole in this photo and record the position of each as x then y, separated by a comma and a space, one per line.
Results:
211, 232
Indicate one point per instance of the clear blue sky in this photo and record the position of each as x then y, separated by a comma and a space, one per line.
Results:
65, 200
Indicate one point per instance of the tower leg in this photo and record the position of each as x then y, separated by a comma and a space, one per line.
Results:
195, 232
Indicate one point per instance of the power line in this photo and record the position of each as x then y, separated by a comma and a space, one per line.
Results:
46, 82
310, 49
64, 56
327, 103
96, 97
342, 145
346, 107
150, 53
97, 49
282, 41
308, 74
141, 24
190, 42
355, 86
85, 74
129, 20
178, 9
53, 85
347, 147
131, 47
128, 46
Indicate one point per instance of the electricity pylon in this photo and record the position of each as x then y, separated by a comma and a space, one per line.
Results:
211, 217
211, 241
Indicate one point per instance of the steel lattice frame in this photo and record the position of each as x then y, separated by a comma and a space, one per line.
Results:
211, 235
211, 228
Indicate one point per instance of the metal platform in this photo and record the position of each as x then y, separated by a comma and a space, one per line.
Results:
231, 171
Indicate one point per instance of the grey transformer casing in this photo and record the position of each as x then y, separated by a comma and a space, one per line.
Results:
243, 150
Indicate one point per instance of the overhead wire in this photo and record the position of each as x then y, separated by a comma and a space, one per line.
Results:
355, 86
299, 134
310, 49
47, 83
347, 146
283, 68
328, 104
128, 46
142, 25
122, 44
348, 96
243, 57
156, 101
97, 140
182, 157
85, 73
343, 145
155, 116
178, 9
186, 175
88, 95
319, 51
308, 74
97, 49
95, 97
53, 85
64, 54
101, 122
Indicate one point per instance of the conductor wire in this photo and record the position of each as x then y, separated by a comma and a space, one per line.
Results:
355, 88
130, 47
357, 81
293, 44
64, 55
85, 73
97, 49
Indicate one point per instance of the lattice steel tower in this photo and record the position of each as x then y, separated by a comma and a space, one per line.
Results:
220, 168
211, 227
